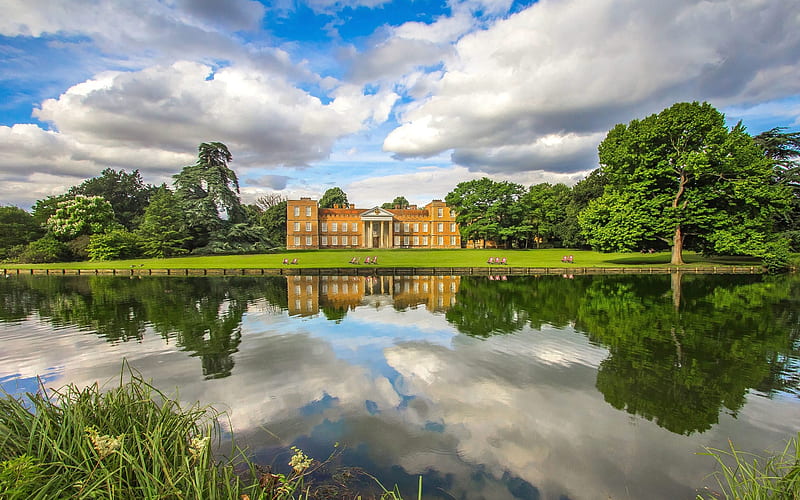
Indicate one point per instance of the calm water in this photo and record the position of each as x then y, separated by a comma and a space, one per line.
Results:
525, 387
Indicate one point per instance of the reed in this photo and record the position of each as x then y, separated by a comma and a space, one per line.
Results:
129, 442
747, 476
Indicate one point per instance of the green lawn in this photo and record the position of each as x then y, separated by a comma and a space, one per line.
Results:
404, 258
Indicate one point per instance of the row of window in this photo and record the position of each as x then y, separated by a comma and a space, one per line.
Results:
406, 227
398, 241
297, 211
334, 241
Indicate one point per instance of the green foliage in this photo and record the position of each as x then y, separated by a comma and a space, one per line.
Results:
238, 238
126, 192
46, 249
273, 220
45, 208
333, 196
399, 201
207, 189
746, 476
82, 215
163, 232
17, 227
683, 174
20, 477
488, 210
117, 244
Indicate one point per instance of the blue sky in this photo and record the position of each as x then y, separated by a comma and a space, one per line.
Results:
382, 98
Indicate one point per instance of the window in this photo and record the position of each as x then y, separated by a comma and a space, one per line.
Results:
324, 241
416, 241
453, 241
441, 240
297, 241
416, 227
308, 227
334, 227
453, 227
334, 241
396, 227
297, 211
424, 241
397, 241
440, 227
308, 241
308, 211
355, 241
425, 227
354, 227
344, 240
324, 227
405, 241
439, 212
406, 227
296, 226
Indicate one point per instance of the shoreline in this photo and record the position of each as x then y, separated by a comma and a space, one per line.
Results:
386, 271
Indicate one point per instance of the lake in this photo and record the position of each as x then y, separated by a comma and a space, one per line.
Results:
562, 387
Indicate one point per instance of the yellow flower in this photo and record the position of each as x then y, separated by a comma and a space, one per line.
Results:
104, 445
197, 445
300, 461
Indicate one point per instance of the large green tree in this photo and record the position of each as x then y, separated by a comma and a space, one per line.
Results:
487, 210
399, 201
208, 191
333, 196
126, 192
683, 174
163, 230
82, 215
783, 148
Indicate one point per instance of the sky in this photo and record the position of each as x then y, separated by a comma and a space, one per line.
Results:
382, 98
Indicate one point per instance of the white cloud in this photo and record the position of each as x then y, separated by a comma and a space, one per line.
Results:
575, 68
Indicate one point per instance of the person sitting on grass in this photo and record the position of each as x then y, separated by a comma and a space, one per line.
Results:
294, 261
504, 261
367, 261
354, 260
490, 261
569, 259
374, 260
285, 261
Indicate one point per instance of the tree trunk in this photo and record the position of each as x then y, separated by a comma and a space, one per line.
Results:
677, 248
676, 282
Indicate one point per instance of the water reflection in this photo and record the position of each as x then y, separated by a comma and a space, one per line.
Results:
518, 388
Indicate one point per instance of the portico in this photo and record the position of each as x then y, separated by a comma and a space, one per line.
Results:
377, 228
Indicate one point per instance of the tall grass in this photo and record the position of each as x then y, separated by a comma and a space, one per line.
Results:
130, 442
746, 476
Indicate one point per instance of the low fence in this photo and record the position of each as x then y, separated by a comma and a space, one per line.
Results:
391, 271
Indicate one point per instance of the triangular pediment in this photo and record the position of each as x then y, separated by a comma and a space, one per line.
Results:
376, 212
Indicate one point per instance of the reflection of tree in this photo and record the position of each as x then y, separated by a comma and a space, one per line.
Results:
680, 365
202, 315
681, 347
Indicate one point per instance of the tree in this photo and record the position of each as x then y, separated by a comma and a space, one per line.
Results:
333, 196
398, 202
45, 208
273, 220
682, 174
544, 208
126, 192
207, 190
569, 230
163, 230
487, 210
116, 244
783, 148
82, 215
17, 227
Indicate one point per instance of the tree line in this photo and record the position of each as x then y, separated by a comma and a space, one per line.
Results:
116, 216
679, 179
676, 180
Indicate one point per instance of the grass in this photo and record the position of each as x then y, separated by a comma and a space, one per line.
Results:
746, 476
550, 257
131, 442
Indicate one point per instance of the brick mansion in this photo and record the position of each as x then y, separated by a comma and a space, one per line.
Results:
311, 227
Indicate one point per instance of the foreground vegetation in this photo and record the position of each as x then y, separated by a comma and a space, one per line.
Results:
550, 258
132, 442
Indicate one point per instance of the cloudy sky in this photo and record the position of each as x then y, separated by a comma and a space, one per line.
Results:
380, 97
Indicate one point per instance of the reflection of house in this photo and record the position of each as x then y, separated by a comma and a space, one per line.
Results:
308, 294
308, 226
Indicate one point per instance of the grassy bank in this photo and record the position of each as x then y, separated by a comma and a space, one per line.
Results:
405, 258
133, 442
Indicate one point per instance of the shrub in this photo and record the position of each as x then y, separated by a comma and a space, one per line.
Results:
43, 250
117, 244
